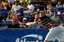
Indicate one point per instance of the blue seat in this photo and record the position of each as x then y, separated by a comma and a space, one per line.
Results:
63, 9
4, 12
6, 23
60, 9
55, 9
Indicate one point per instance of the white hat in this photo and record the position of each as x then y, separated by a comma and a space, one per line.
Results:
24, 19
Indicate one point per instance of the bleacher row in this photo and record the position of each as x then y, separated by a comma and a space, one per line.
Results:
3, 12
58, 9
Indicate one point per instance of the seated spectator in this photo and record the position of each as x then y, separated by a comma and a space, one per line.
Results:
16, 6
9, 6
38, 10
23, 23
49, 6
30, 8
59, 4
50, 12
55, 18
4, 3
15, 23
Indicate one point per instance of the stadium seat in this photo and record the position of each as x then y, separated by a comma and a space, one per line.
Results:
58, 9
4, 12
6, 23
55, 9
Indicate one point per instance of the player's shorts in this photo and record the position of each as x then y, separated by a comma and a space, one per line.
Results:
55, 33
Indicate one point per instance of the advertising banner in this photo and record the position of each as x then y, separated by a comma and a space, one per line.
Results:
23, 35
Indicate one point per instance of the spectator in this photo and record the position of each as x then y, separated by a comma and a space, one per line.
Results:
9, 6
49, 6
16, 6
59, 4
14, 22
55, 18
54, 2
50, 12
30, 8
23, 23
4, 3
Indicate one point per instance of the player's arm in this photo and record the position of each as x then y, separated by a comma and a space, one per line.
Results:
30, 23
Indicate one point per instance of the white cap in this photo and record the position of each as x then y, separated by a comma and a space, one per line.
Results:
24, 19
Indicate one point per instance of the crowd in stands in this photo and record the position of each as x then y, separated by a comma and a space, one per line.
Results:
17, 15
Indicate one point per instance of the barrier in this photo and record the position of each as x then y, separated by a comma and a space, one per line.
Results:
23, 35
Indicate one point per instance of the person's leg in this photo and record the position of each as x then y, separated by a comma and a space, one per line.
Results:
51, 36
60, 36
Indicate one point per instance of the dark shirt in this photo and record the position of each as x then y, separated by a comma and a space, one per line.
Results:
46, 20
14, 26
